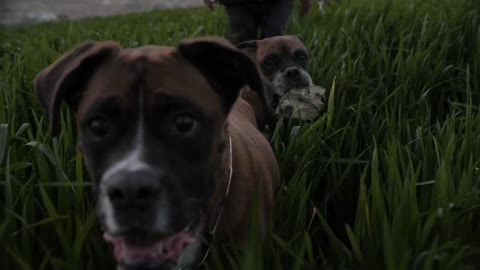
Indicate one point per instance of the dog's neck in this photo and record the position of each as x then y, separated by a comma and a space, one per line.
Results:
222, 179
221, 202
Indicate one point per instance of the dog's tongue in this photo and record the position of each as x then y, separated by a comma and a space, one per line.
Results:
165, 249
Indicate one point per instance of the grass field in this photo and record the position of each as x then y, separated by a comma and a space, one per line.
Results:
388, 179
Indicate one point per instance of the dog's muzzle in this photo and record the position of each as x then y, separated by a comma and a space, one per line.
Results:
291, 78
130, 191
135, 213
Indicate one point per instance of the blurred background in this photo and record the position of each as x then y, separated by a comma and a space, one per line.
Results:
14, 12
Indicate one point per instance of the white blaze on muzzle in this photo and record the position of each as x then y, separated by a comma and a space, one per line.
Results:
132, 161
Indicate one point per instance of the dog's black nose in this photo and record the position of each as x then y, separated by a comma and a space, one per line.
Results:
292, 72
134, 189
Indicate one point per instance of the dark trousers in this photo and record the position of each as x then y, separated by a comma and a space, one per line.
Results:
244, 20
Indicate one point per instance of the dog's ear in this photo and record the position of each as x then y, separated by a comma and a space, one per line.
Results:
226, 68
250, 47
66, 78
300, 37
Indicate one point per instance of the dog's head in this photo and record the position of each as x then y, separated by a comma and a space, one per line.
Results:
151, 124
282, 60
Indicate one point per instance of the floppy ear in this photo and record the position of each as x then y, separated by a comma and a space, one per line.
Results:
66, 78
250, 47
300, 37
226, 68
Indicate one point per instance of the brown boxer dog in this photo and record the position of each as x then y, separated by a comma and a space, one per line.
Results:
172, 152
282, 61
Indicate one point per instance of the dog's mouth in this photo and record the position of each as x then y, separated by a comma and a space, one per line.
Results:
296, 84
147, 252
283, 84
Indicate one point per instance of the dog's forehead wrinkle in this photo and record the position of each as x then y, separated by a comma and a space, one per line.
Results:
150, 52
139, 66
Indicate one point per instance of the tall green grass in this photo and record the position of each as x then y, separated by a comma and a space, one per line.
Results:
388, 178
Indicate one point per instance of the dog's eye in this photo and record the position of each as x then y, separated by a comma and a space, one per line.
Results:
99, 127
184, 123
269, 60
301, 56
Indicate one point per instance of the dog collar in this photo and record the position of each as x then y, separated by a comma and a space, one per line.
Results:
221, 205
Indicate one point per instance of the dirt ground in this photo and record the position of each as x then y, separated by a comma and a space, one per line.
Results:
14, 12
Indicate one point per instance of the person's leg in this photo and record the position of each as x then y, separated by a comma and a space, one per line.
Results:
275, 17
241, 22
